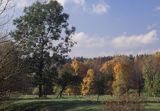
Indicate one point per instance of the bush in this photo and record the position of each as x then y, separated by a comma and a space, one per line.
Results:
72, 90
35, 91
125, 103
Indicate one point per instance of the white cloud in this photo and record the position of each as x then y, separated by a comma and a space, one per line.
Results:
135, 40
23, 3
88, 46
76, 2
83, 40
62, 2
94, 46
79, 2
100, 8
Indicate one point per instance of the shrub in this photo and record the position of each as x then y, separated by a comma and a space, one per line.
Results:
35, 91
125, 103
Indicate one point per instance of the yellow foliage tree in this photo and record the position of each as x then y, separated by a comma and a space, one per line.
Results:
75, 65
119, 68
120, 83
87, 81
107, 67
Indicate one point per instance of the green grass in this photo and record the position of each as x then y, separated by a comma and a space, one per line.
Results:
67, 103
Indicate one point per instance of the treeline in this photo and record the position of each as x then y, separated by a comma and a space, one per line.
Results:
118, 75
35, 61
112, 75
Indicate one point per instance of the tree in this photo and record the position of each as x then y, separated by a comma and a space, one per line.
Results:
75, 65
117, 71
99, 85
43, 33
122, 68
151, 73
65, 78
12, 76
136, 78
119, 83
107, 71
87, 82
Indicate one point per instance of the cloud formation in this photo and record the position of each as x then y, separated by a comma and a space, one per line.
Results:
93, 46
79, 2
135, 40
62, 2
100, 8
23, 3
76, 2
84, 40
97, 8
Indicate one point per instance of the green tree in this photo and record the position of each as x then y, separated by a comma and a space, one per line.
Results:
65, 78
151, 73
136, 78
99, 85
43, 33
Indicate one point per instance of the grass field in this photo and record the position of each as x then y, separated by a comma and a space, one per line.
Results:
67, 103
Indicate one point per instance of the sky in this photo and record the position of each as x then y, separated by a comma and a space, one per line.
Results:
110, 27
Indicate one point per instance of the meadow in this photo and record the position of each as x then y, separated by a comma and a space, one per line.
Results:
68, 103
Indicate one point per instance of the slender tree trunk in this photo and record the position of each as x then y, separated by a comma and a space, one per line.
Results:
97, 97
41, 78
40, 68
60, 93
40, 90
139, 89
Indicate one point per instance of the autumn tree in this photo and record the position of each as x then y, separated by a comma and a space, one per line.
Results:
122, 68
117, 72
107, 72
75, 65
87, 82
119, 83
44, 34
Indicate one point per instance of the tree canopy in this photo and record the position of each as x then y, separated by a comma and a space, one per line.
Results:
44, 35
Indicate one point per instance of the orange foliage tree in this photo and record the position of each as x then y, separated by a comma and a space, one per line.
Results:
118, 68
75, 65
87, 81
107, 71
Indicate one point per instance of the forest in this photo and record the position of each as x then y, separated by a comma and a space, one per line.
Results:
36, 73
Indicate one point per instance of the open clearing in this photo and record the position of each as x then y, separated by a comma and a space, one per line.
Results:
67, 103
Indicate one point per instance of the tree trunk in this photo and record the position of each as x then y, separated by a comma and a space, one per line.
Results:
139, 87
40, 90
97, 97
60, 93
139, 90
40, 78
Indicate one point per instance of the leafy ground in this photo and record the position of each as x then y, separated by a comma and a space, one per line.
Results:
68, 103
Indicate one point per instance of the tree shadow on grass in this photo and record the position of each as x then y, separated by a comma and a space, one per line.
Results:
65, 105
152, 106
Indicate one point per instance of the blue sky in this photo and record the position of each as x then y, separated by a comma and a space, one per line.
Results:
110, 27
